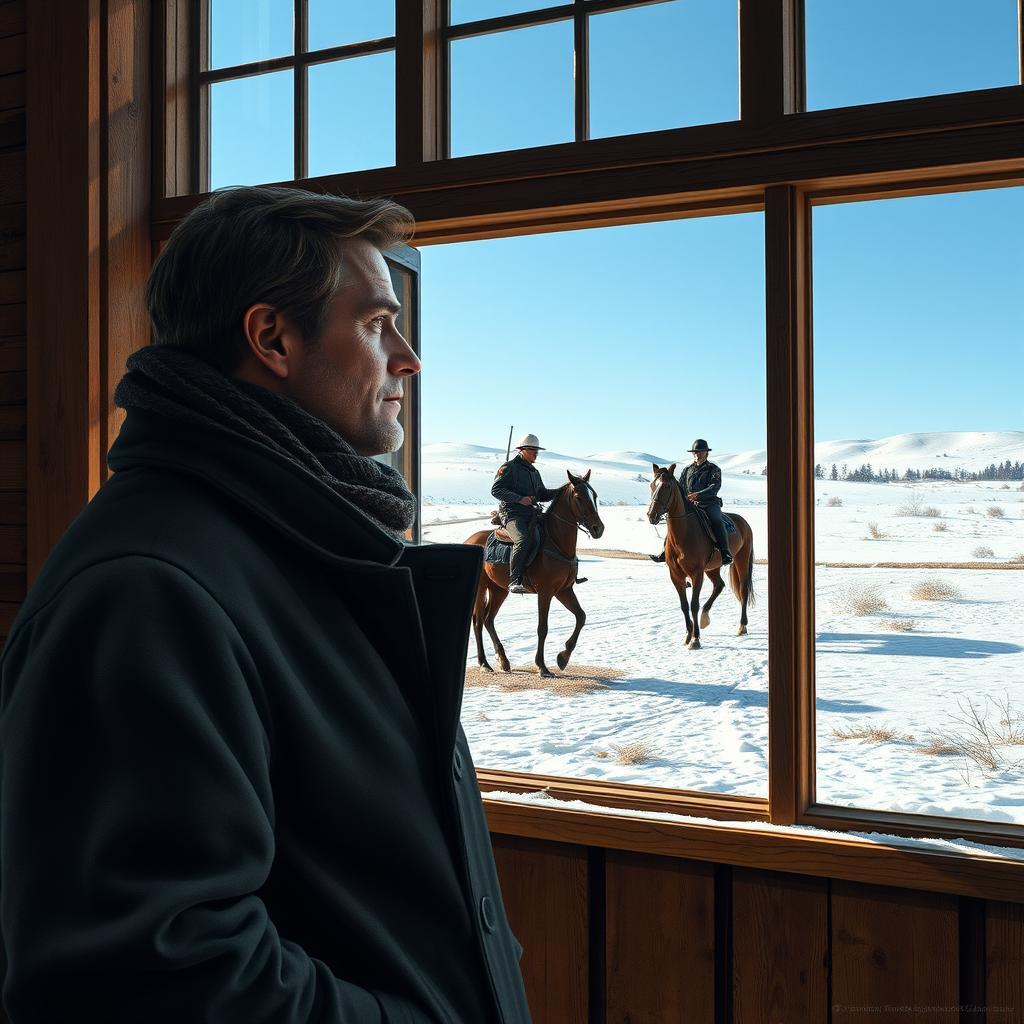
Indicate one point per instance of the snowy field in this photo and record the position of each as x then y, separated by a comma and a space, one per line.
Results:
893, 670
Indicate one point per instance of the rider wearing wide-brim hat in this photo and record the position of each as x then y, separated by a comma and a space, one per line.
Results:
701, 481
518, 486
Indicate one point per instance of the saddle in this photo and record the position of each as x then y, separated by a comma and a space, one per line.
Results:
498, 547
702, 518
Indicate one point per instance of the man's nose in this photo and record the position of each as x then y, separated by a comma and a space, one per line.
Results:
402, 360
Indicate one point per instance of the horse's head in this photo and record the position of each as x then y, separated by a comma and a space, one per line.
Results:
583, 502
662, 487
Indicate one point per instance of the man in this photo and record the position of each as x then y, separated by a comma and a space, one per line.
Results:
701, 482
518, 486
235, 788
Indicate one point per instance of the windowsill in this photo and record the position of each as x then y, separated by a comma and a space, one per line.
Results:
958, 866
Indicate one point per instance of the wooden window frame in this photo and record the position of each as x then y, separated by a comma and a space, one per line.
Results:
91, 124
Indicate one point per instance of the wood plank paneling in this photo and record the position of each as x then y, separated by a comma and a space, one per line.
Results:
544, 889
12, 466
12, 584
780, 947
12, 508
660, 940
12, 422
12, 236
12, 319
12, 286
896, 952
12, 18
12, 353
12, 545
12, 91
1004, 958
12, 53
8, 609
12, 388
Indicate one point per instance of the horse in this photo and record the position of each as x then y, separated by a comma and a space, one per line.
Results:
689, 552
551, 574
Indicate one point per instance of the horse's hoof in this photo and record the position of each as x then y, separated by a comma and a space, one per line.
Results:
562, 659
545, 673
742, 631
705, 620
504, 665
694, 645
484, 667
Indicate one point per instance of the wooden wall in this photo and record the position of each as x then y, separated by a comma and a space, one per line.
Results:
12, 311
612, 937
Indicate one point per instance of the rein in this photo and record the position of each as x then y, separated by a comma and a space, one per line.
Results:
557, 552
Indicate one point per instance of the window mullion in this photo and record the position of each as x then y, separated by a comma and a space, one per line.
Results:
300, 85
581, 53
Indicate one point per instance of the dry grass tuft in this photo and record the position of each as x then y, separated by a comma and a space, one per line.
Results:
868, 733
481, 717
900, 625
940, 527
637, 752
982, 741
934, 590
995, 512
858, 599
601, 753
983, 551
938, 747
578, 679
911, 507
931, 512
875, 533
834, 502
1017, 558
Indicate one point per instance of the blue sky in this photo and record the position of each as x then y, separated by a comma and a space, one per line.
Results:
642, 337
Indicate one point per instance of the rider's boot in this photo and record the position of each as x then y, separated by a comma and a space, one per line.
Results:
723, 541
515, 587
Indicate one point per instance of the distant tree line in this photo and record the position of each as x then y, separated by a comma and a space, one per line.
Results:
866, 474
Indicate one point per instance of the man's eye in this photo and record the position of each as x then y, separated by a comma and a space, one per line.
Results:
379, 321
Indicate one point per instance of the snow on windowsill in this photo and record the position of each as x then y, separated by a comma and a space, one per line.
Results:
956, 847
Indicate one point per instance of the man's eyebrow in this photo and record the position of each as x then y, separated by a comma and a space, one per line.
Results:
380, 302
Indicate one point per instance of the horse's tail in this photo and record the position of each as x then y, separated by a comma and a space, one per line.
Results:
743, 587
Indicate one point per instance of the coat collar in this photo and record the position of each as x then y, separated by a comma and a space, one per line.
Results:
295, 501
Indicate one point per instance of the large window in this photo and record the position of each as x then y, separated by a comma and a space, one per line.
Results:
919, 507
588, 70
295, 88
617, 347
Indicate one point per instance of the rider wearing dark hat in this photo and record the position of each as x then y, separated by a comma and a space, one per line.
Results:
701, 481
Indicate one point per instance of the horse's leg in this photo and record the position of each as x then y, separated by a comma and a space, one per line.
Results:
569, 599
746, 567
684, 604
718, 585
543, 606
698, 581
479, 610
496, 598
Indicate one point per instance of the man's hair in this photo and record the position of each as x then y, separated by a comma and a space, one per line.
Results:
249, 244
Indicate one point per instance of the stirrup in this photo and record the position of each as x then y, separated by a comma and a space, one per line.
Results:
517, 588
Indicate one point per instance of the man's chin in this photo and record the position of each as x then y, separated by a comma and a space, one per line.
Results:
386, 440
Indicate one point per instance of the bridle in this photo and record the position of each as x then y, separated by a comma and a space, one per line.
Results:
663, 513
578, 521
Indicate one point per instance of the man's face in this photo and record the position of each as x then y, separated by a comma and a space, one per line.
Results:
530, 454
700, 457
353, 376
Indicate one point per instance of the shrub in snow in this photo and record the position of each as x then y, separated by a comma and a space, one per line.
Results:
995, 511
834, 502
1018, 558
869, 733
931, 512
934, 590
633, 753
981, 551
940, 527
983, 741
875, 532
900, 625
911, 507
858, 599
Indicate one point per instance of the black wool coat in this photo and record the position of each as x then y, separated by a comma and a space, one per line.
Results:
517, 479
233, 784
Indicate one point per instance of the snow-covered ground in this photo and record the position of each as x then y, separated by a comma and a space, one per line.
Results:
704, 713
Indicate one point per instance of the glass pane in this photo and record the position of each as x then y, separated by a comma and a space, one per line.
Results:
610, 345
512, 90
876, 50
352, 21
352, 114
242, 31
477, 10
251, 133
664, 66
919, 514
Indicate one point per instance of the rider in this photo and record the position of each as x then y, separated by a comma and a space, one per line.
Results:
701, 482
517, 485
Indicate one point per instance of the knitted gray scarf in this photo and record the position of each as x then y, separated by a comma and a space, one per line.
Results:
180, 385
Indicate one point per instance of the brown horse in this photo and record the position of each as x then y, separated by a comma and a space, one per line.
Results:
551, 574
689, 552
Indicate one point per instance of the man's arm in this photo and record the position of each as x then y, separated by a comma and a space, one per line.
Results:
502, 489
715, 477
138, 817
